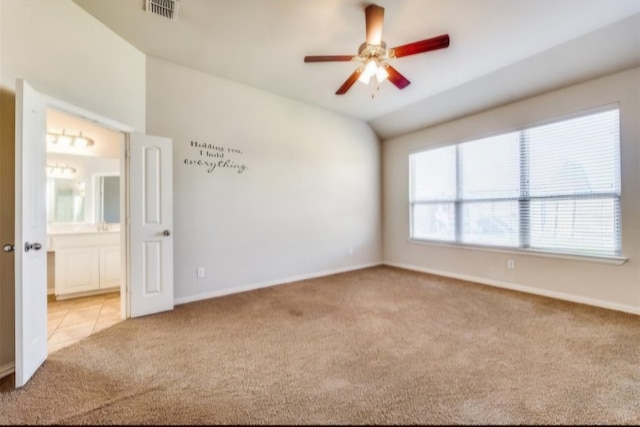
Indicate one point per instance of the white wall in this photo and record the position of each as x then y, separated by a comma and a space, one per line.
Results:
309, 196
606, 285
68, 54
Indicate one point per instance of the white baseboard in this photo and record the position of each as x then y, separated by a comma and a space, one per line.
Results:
88, 293
251, 287
520, 288
7, 369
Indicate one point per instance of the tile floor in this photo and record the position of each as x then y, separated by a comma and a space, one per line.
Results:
71, 320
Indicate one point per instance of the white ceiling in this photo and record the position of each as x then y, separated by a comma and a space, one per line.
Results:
500, 50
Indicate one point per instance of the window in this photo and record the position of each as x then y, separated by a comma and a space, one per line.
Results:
550, 188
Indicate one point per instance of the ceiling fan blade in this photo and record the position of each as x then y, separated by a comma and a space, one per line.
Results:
328, 58
433, 43
396, 78
349, 82
374, 15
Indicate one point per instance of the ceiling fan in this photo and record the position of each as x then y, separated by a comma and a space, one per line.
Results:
374, 55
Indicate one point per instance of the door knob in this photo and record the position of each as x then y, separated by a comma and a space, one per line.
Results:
34, 246
166, 233
8, 247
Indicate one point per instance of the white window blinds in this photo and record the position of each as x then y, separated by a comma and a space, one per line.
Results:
552, 188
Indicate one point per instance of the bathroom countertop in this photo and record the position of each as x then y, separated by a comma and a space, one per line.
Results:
59, 230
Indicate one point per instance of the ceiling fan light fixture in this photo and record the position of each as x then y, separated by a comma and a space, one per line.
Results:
364, 78
369, 71
381, 74
374, 55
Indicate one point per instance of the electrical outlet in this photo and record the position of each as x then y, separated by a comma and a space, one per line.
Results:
511, 264
200, 272
351, 251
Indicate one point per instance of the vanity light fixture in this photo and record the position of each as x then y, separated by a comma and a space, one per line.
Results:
63, 139
82, 141
59, 171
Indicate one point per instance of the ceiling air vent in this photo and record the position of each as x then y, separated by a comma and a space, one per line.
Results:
164, 8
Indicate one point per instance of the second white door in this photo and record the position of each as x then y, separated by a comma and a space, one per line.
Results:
150, 224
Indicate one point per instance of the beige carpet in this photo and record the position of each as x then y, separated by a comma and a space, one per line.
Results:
376, 346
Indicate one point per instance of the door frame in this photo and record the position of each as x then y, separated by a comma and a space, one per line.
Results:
114, 125
157, 283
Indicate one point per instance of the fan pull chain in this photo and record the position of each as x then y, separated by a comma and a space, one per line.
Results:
375, 91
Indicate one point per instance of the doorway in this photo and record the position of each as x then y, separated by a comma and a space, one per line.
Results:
147, 258
85, 243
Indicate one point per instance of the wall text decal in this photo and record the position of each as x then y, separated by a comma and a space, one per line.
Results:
213, 157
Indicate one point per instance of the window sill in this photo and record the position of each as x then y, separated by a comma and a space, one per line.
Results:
599, 259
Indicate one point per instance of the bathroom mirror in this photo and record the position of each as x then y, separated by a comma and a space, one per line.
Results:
89, 193
65, 200
108, 200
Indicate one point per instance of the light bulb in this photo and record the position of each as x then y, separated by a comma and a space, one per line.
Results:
64, 139
381, 74
364, 78
369, 70
80, 141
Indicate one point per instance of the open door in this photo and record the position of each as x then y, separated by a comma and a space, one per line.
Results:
30, 233
149, 213
150, 222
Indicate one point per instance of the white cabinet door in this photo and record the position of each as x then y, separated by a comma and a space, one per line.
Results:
77, 270
109, 266
86, 262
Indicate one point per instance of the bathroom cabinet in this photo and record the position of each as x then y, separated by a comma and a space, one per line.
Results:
86, 262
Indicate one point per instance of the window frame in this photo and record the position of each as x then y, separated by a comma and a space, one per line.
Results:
524, 198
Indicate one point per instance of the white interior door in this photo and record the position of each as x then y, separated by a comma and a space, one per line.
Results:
150, 174
30, 233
